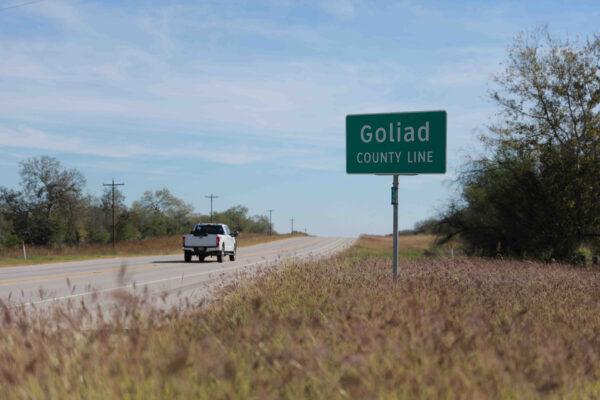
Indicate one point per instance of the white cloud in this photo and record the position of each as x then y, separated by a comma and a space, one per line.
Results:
343, 9
16, 65
176, 67
458, 77
30, 138
36, 139
417, 9
475, 71
62, 12
303, 100
125, 75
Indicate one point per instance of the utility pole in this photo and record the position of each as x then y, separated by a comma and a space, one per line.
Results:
292, 221
270, 223
114, 230
211, 197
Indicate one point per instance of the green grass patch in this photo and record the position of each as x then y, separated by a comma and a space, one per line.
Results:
381, 247
361, 252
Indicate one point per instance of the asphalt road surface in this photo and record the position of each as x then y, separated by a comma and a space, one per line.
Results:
167, 280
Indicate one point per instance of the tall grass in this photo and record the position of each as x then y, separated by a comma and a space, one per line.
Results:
338, 328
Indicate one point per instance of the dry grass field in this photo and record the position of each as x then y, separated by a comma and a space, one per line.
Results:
334, 329
154, 246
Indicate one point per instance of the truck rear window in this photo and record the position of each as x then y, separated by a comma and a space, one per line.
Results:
208, 230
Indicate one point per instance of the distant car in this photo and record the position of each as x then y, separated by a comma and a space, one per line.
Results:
210, 240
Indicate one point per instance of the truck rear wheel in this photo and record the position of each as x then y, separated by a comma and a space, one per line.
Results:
232, 257
187, 256
221, 254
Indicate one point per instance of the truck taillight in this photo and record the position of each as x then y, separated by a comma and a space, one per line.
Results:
218, 240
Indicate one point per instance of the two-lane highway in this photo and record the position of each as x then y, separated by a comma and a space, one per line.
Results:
100, 279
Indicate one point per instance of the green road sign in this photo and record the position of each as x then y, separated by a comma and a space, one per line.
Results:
396, 143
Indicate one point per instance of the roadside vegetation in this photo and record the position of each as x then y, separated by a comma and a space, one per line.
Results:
51, 216
337, 328
534, 192
50, 208
152, 246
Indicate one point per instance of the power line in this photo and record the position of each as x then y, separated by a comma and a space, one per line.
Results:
270, 223
114, 231
20, 5
211, 197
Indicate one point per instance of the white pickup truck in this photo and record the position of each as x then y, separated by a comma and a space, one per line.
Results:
210, 240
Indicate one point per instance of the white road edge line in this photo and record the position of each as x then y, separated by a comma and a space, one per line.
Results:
329, 249
131, 285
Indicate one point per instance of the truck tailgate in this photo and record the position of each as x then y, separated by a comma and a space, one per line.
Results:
201, 241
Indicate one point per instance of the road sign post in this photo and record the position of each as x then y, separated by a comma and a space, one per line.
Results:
406, 143
395, 224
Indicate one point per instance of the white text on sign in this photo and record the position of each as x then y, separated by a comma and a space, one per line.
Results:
381, 134
412, 157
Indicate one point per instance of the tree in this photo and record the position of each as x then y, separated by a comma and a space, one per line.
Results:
13, 217
161, 213
537, 191
237, 219
549, 95
428, 226
54, 198
97, 222
259, 224
51, 209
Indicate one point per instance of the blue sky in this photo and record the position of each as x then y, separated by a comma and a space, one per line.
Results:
247, 99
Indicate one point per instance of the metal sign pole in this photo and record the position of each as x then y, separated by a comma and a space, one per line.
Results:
395, 204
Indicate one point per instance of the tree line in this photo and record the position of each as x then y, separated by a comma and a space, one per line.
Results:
535, 192
50, 207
